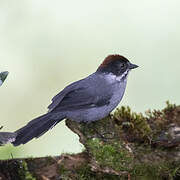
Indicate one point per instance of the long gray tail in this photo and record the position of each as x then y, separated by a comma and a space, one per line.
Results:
36, 128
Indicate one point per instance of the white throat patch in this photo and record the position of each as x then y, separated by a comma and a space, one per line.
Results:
113, 77
124, 75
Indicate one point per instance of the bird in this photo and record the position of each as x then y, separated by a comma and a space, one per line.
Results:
87, 100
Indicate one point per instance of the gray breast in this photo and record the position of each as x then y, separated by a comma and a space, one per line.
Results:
96, 113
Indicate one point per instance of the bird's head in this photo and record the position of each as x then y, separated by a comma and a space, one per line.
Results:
117, 65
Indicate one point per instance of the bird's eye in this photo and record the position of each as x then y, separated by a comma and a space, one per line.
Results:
123, 65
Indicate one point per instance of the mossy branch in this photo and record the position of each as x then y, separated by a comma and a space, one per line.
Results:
125, 145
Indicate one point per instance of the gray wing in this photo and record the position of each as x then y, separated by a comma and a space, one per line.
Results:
58, 98
80, 95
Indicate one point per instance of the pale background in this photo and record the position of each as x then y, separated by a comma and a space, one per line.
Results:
45, 45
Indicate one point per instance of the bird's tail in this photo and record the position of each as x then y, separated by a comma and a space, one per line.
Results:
7, 137
36, 128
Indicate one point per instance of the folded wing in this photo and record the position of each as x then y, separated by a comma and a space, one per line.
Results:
80, 95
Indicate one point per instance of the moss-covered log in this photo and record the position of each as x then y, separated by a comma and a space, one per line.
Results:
125, 145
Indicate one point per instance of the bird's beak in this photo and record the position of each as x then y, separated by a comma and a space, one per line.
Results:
133, 66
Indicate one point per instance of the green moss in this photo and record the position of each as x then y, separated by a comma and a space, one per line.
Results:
64, 173
158, 171
135, 124
170, 112
84, 172
112, 155
96, 128
160, 120
105, 142
81, 173
169, 107
24, 171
